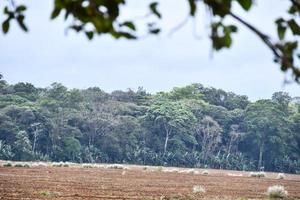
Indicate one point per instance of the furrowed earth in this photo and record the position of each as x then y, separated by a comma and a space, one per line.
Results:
75, 181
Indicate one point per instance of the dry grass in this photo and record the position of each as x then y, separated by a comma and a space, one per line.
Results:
257, 174
205, 172
198, 189
277, 192
281, 176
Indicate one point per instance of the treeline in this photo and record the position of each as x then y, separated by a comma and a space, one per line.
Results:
192, 126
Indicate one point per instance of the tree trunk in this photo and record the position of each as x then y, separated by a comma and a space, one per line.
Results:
166, 142
261, 150
166, 139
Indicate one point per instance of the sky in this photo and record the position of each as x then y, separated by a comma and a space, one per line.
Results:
46, 54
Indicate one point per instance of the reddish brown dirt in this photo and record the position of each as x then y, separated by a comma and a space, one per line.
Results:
71, 183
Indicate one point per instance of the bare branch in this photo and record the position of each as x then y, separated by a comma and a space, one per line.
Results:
262, 36
179, 26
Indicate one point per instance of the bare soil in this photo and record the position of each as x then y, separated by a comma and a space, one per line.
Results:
136, 182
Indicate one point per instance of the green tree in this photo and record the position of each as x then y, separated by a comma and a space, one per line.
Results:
5, 151
171, 116
283, 100
267, 129
22, 146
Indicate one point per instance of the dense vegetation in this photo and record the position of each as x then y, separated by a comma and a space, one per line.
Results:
192, 126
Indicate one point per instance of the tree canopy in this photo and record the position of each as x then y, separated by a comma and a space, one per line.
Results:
192, 126
97, 17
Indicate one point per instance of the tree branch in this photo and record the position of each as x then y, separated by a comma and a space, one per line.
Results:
261, 35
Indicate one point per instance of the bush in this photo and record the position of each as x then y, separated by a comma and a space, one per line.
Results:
21, 165
205, 172
66, 165
26, 165
18, 165
277, 191
88, 166
281, 176
257, 174
60, 164
8, 164
160, 169
116, 166
198, 189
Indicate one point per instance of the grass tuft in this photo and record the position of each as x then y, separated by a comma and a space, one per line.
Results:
45, 193
281, 176
60, 164
205, 172
198, 189
257, 174
277, 192
116, 166
8, 164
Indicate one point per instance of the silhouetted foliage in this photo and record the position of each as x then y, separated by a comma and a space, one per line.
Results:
97, 17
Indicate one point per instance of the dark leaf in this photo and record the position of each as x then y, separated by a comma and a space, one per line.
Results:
193, 7
77, 28
55, 13
153, 8
154, 31
246, 4
233, 28
126, 35
294, 27
281, 31
89, 34
129, 25
5, 26
293, 9
21, 8
227, 40
20, 20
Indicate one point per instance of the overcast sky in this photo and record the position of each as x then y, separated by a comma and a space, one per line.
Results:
46, 55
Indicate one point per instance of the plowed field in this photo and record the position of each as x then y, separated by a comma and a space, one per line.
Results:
135, 183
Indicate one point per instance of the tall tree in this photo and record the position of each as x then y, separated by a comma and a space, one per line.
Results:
209, 136
267, 129
171, 116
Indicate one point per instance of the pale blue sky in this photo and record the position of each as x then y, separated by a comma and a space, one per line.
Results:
47, 55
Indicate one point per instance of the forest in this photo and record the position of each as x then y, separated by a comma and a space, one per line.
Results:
191, 126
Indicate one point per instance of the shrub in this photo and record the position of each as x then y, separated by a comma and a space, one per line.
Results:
60, 164
66, 165
257, 174
205, 172
26, 165
88, 166
18, 165
8, 164
116, 166
22, 165
170, 170
198, 189
160, 169
281, 176
277, 191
